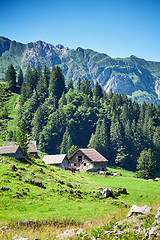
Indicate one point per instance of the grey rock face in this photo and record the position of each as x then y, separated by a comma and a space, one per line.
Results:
135, 210
157, 218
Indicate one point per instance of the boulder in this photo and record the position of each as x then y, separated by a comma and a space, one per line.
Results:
4, 228
151, 233
135, 210
68, 234
157, 218
106, 192
5, 189
69, 185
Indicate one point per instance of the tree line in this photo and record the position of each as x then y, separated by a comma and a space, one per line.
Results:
64, 118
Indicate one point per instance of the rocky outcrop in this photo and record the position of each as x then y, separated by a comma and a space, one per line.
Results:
135, 210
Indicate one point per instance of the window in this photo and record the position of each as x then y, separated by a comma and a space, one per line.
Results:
79, 158
85, 164
74, 164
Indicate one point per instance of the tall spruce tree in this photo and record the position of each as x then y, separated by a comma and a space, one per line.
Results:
146, 164
79, 83
21, 139
97, 92
70, 84
20, 77
86, 87
10, 77
57, 83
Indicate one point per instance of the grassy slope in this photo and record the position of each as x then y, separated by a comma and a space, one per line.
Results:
8, 100
55, 202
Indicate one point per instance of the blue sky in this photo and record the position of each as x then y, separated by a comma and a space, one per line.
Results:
119, 28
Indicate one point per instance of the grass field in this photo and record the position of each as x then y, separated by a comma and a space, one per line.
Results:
8, 118
58, 203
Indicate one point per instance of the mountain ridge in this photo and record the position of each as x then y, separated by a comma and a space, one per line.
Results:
137, 77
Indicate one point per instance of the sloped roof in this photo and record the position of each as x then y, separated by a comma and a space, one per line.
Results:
8, 149
9, 144
91, 154
54, 159
32, 146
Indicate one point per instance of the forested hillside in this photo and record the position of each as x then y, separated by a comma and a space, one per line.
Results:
62, 119
138, 78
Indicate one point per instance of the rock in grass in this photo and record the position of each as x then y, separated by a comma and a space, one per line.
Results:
69, 185
5, 189
157, 218
135, 210
106, 193
4, 228
68, 234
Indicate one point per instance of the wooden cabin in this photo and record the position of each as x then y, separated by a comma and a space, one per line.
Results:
88, 159
59, 160
11, 151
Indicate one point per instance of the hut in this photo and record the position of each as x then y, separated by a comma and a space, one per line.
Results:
32, 148
88, 159
59, 160
11, 151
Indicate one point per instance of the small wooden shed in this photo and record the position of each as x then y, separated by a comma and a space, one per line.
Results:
11, 151
59, 160
88, 159
32, 148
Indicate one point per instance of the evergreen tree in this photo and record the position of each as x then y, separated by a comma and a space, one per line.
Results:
46, 75
23, 96
70, 84
37, 123
97, 92
28, 110
66, 146
57, 83
115, 136
100, 139
20, 77
79, 83
146, 164
29, 82
21, 139
41, 89
10, 77
86, 87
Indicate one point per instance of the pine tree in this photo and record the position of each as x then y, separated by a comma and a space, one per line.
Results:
10, 77
79, 83
86, 87
29, 82
57, 83
70, 84
66, 142
97, 92
41, 89
100, 139
21, 139
20, 77
146, 164
46, 75
37, 123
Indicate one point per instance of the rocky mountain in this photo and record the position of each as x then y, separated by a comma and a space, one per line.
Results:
136, 77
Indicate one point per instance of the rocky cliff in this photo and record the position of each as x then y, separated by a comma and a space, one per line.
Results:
136, 77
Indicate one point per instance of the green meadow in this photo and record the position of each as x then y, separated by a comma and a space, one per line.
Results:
57, 201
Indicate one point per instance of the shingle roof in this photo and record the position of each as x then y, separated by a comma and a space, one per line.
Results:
54, 159
9, 144
92, 154
8, 149
32, 147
